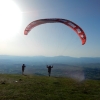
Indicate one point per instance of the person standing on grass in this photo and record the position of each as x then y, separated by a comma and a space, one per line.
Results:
23, 68
49, 70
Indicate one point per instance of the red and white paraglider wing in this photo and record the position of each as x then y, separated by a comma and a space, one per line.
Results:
69, 23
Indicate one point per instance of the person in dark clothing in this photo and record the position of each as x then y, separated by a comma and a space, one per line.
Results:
23, 68
49, 69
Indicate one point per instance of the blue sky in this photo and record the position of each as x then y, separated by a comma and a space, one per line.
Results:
56, 39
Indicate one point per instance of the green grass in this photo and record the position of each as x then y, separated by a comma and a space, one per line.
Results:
47, 88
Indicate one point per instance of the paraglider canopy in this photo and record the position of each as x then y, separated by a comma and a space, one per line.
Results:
69, 23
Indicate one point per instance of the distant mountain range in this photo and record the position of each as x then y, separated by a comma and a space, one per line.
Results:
78, 68
43, 59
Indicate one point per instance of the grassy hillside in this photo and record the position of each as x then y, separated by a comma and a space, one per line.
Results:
18, 87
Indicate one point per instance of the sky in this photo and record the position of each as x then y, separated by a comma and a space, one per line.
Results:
51, 39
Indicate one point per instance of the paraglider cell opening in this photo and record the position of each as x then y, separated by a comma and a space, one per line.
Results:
78, 30
81, 36
71, 24
63, 20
